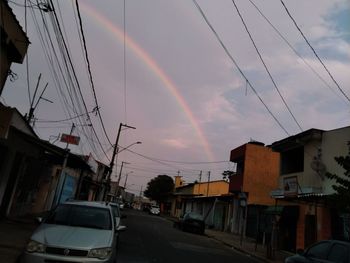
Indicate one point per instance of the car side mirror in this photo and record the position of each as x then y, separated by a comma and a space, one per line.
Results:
121, 228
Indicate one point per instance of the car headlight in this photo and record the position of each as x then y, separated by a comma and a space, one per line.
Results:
34, 246
101, 253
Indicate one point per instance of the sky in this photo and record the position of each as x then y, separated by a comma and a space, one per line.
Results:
169, 77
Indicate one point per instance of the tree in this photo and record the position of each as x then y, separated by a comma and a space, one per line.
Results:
342, 187
159, 188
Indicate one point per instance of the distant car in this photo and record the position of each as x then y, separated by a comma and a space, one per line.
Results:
154, 210
75, 231
323, 251
121, 205
192, 222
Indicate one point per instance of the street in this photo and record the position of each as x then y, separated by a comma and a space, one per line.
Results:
153, 239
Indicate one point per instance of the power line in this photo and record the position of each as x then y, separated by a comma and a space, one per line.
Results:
314, 51
63, 120
293, 49
74, 73
89, 70
124, 59
239, 69
48, 48
157, 161
265, 66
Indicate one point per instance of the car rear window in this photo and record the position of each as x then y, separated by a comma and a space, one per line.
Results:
193, 216
80, 216
339, 253
319, 250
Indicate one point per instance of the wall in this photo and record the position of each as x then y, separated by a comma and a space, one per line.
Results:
260, 174
215, 188
334, 144
14, 42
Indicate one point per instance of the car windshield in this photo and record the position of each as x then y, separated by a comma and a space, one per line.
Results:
80, 216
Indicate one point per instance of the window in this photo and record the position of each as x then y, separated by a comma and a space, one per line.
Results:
319, 251
292, 161
81, 216
339, 253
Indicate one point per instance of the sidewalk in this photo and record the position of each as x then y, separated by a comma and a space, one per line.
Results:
14, 235
248, 246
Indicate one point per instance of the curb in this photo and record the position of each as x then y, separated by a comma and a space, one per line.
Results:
240, 249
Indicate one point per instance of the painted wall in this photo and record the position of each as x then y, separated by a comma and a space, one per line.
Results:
334, 143
215, 188
261, 171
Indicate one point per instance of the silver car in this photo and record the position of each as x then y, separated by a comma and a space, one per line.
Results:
76, 231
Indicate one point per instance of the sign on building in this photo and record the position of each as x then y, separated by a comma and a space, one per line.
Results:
70, 139
290, 186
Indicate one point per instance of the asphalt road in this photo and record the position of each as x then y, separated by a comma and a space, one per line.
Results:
153, 239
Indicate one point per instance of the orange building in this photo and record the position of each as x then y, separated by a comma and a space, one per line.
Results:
257, 171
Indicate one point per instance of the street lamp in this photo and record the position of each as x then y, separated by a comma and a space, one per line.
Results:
125, 148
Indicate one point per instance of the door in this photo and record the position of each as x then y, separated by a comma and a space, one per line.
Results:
310, 230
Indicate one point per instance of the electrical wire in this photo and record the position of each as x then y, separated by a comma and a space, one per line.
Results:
294, 50
237, 66
124, 59
90, 73
72, 118
314, 51
265, 66
157, 161
27, 55
74, 74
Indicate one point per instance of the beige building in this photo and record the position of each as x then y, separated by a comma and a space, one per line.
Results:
305, 159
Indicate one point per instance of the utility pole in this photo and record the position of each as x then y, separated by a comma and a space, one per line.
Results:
63, 175
141, 193
115, 152
208, 183
119, 177
200, 180
32, 106
126, 178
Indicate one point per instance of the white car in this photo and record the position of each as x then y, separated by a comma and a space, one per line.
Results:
155, 210
76, 231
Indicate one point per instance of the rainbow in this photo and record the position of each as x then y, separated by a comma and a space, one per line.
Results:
117, 33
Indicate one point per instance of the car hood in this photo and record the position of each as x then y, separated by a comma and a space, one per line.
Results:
73, 237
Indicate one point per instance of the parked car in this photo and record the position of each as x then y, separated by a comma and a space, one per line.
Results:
154, 210
323, 251
191, 222
76, 231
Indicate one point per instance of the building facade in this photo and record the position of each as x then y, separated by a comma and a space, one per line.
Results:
13, 42
305, 159
257, 169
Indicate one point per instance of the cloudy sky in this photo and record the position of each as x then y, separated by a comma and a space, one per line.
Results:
179, 88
